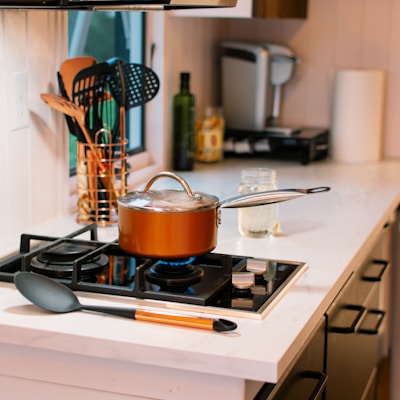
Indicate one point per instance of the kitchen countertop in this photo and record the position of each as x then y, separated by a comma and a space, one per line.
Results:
331, 232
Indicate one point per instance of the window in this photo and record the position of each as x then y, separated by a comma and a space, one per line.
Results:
106, 35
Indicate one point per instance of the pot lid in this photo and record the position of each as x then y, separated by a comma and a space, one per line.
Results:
168, 200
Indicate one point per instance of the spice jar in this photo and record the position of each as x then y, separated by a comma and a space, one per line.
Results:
210, 136
258, 221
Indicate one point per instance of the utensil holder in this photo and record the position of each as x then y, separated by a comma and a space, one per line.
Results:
95, 201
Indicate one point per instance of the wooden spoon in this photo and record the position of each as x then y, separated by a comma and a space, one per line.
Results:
73, 110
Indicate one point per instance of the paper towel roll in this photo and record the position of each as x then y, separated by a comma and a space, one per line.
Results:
357, 115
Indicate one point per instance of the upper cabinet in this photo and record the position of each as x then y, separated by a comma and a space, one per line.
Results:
253, 9
280, 8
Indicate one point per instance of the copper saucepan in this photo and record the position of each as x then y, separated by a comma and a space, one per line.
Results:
174, 224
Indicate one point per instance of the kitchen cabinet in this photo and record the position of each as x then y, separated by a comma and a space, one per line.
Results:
306, 379
340, 360
280, 8
394, 299
355, 328
254, 9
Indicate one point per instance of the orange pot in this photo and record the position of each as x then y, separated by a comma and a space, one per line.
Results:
167, 224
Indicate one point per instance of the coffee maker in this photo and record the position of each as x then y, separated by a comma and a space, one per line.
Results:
253, 75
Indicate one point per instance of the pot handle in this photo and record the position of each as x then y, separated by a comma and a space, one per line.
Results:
166, 174
269, 197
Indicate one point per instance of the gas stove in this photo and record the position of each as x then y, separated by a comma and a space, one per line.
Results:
220, 284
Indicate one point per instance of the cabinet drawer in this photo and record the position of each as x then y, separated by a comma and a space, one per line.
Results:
353, 324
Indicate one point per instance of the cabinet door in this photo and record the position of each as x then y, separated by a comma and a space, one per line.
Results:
354, 322
305, 379
255, 8
280, 8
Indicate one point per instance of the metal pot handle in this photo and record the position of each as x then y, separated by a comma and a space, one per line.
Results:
178, 178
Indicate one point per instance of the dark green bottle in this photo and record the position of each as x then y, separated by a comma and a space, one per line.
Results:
183, 126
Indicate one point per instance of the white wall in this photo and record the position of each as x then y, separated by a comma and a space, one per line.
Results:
191, 44
32, 162
336, 34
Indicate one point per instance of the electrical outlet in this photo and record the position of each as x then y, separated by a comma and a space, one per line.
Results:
19, 100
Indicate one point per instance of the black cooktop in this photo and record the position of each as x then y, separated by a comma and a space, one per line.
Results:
212, 280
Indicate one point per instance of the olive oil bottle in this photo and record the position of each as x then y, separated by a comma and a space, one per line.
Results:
184, 126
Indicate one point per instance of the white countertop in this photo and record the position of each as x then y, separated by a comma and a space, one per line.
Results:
331, 232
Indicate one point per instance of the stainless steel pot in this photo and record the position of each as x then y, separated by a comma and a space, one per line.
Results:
174, 224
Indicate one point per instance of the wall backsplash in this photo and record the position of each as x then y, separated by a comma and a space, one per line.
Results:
192, 44
33, 170
337, 34
360, 34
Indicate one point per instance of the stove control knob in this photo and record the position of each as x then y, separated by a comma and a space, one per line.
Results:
257, 266
263, 269
243, 280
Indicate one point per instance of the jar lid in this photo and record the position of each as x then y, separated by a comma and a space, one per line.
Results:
258, 174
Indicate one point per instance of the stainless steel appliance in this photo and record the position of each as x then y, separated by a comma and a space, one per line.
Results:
118, 5
252, 78
253, 75
221, 284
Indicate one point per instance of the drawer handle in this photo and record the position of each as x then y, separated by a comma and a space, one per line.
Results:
352, 327
379, 319
266, 392
377, 276
320, 386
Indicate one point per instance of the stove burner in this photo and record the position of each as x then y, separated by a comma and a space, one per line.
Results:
177, 263
174, 275
242, 293
58, 261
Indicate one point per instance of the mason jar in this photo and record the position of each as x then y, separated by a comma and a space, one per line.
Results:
258, 221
